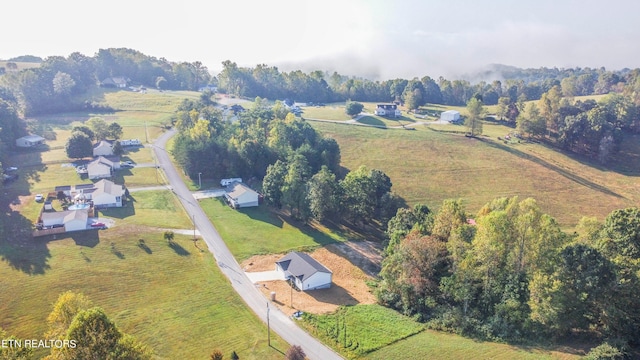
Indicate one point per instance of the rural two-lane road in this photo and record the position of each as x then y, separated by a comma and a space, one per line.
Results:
279, 322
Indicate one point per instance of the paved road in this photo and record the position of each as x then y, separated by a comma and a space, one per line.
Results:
279, 322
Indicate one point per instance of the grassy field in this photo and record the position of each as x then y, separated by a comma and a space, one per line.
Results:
173, 298
357, 330
442, 346
430, 165
254, 231
376, 332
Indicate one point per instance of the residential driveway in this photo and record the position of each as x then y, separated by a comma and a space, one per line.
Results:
147, 188
258, 276
208, 194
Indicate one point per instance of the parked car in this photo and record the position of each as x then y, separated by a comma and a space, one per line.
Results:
297, 314
127, 163
99, 225
39, 198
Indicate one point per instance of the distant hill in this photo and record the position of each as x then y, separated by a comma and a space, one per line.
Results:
26, 58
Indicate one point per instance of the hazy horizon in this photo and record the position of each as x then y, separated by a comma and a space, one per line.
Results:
374, 39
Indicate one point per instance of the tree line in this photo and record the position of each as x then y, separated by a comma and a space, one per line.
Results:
56, 85
297, 167
510, 273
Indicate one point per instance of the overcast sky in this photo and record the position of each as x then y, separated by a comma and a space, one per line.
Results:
378, 39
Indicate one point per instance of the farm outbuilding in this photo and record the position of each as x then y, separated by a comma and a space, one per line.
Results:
29, 141
304, 271
450, 116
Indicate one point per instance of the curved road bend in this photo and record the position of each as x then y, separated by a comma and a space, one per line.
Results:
279, 322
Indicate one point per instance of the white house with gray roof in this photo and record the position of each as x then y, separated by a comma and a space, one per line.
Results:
305, 272
241, 196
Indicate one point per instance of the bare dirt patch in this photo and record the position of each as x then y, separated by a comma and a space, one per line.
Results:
352, 264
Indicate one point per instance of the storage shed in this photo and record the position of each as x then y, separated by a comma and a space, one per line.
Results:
450, 116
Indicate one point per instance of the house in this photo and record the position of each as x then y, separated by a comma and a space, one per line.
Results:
116, 81
389, 110
29, 141
241, 196
105, 193
305, 272
103, 148
71, 220
450, 116
102, 168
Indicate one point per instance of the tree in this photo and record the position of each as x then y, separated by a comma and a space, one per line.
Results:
85, 130
114, 130
216, 355
79, 146
531, 122
273, 182
99, 127
503, 105
353, 108
97, 337
68, 305
117, 148
476, 113
161, 83
294, 192
9, 352
295, 352
63, 84
169, 236
323, 194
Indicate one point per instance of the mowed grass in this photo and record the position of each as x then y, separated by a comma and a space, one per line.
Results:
427, 166
357, 330
172, 298
443, 346
253, 231
154, 208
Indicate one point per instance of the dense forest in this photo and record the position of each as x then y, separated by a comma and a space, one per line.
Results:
510, 273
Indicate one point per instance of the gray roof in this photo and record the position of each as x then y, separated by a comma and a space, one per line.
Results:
301, 265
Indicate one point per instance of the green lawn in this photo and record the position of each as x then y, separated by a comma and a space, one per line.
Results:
357, 330
253, 231
157, 208
431, 165
443, 346
173, 298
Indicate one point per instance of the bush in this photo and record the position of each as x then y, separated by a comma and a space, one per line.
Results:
605, 351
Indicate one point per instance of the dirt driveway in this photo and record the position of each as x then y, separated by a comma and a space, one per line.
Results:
352, 264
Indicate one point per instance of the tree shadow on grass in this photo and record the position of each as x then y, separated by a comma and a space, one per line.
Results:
179, 249
567, 174
370, 120
86, 238
19, 249
143, 245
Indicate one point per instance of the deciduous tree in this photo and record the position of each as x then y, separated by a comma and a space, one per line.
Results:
79, 146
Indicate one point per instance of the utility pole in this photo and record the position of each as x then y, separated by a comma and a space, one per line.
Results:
268, 326
194, 226
146, 135
291, 293
199, 181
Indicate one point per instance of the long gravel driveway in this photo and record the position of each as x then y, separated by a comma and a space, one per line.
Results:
279, 322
